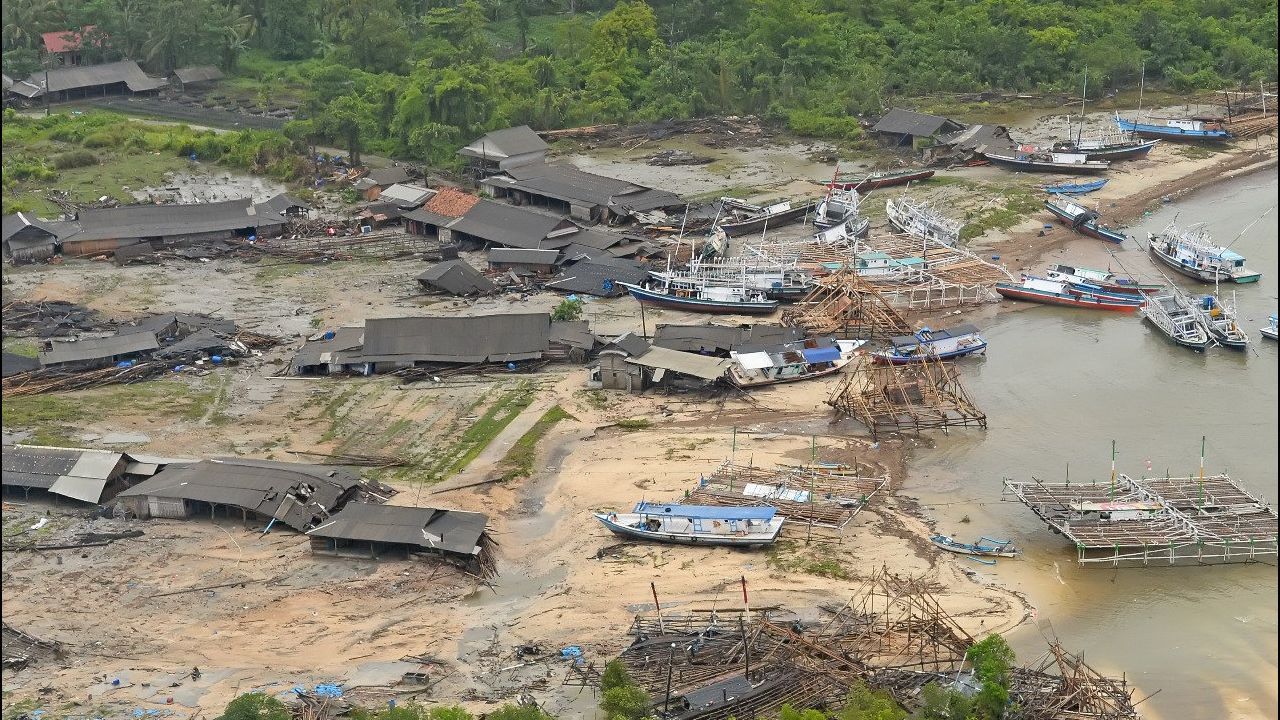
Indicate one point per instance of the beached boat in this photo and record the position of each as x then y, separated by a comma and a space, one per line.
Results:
1075, 188
1034, 289
877, 266
1192, 253
868, 181
1182, 130
942, 344
777, 280
1269, 332
1105, 279
697, 524
1175, 315
920, 220
713, 299
984, 547
790, 363
757, 218
1031, 160
1221, 322
1082, 220
840, 207
1107, 148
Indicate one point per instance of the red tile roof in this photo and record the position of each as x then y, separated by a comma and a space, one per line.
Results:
451, 203
60, 41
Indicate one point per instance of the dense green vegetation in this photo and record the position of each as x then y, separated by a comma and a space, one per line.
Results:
415, 79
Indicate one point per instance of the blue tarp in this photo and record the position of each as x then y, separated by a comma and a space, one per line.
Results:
822, 354
707, 512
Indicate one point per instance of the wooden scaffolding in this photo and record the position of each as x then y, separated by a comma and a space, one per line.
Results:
844, 303
1061, 685
924, 395
820, 496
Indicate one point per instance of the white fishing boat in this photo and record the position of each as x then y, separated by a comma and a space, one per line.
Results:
1192, 253
776, 279
1176, 316
790, 363
697, 524
1269, 332
1221, 322
918, 219
840, 207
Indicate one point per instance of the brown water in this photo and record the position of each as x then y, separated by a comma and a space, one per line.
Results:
1058, 386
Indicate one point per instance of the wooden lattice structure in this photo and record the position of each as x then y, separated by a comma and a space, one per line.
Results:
924, 395
821, 496
1061, 685
1191, 520
846, 304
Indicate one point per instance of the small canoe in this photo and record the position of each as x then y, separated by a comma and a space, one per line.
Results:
984, 547
1075, 188
866, 182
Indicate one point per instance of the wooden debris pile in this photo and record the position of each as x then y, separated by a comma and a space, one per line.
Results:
47, 380
846, 304
925, 395
21, 650
825, 496
48, 318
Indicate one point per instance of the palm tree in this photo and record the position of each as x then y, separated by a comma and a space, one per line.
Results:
24, 20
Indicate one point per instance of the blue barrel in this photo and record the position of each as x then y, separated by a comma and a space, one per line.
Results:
329, 335
216, 359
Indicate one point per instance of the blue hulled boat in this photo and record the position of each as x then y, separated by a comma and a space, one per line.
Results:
1082, 220
1175, 129
696, 524
1075, 188
945, 344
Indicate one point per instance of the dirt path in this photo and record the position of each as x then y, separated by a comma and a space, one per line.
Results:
485, 463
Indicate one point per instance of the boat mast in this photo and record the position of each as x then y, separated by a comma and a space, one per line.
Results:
1141, 81
1083, 94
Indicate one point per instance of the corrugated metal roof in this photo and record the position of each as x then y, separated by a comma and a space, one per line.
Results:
908, 122
322, 352
461, 339
452, 531
200, 73
84, 349
86, 76
509, 225
505, 143
17, 222
631, 344
14, 364
569, 184
574, 333
723, 338
405, 195
524, 256
144, 221
386, 177
60, 41
685, 363
282, 203
298, 495
457, 277
598, 277
79, 473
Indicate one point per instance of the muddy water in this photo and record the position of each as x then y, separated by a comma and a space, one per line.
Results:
1058, 386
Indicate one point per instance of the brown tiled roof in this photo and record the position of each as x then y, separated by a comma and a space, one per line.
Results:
451, 203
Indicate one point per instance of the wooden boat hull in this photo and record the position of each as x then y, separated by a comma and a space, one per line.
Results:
888, 358
945, 543
1048, 167
1088, 229
1204, 276
757, 224
747, 385
672, 538
1269, 333
1199, 345
864, 185
1161, 132
1126, 151
1096, 303
650, 297
1075, 188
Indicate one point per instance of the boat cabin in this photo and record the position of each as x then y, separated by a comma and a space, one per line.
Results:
1118, 511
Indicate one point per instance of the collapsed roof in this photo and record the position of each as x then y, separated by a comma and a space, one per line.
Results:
447, 531
567, 183
456, 277
455, 339
723, 338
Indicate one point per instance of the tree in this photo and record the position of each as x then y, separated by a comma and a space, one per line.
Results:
288, 28
863, 703
19, 63
24, 20
347, 119
571, 309
255, 706
519, 712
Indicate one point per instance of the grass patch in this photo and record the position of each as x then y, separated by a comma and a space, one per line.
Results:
633, 424
1018, 205
817, 559
595, 398
108, 176
455, 457
519, 460
272, 273
54, 417
738, 191
25, 347
1197, 152
21, 708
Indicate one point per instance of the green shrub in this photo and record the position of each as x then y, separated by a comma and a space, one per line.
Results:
255, 706
74, 159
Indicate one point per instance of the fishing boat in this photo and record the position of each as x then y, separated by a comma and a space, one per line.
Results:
866, 182
877, 266
1181, 130
703, 298
1075, 188
1028, 159
942, 344
697, 524
757, 218
1175, 315
790, 363
1220, 321
1103, 146
920, 220
1049, 292
840, 207
983, 547
777, 279
1102, 278
1192, 253
1269, 332
1082, 220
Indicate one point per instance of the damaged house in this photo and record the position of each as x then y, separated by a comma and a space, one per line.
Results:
502, 150
335, 351
581, 195
371, 186
455, 277
722, 339
906, 128
393, 343
297, 495
26, 240
91, 476
598, 276
632, 364
365, 530
90, 353
85, 81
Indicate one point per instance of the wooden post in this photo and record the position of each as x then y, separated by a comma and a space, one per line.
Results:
671, 662
661, 627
